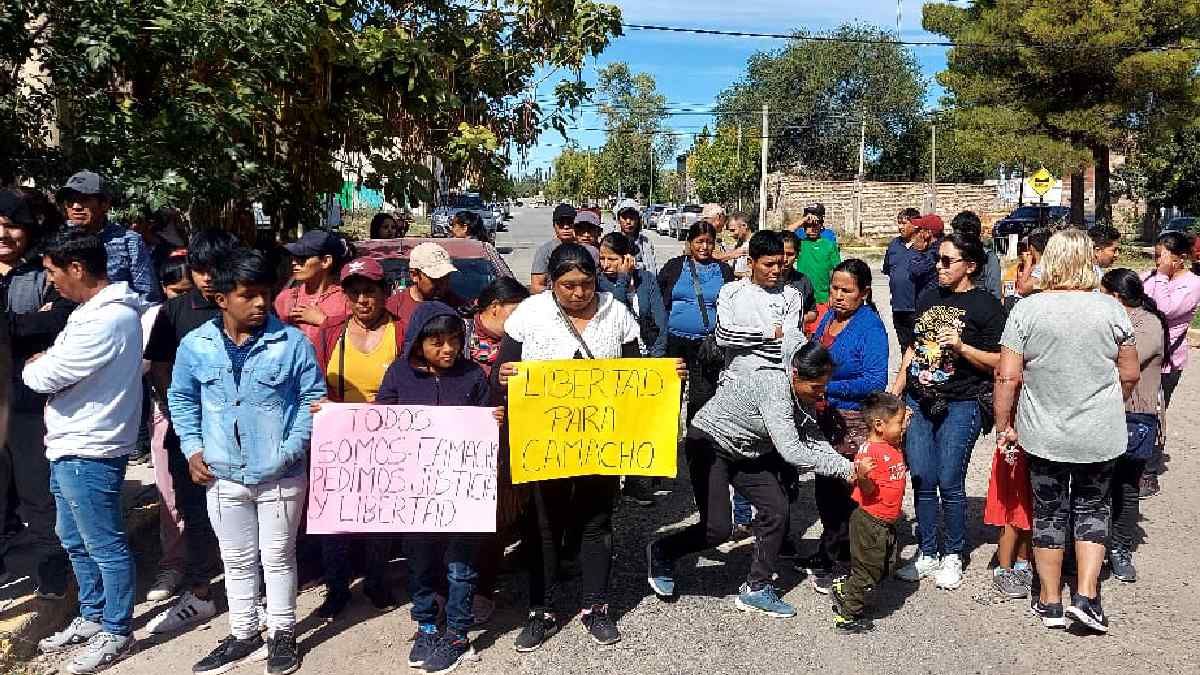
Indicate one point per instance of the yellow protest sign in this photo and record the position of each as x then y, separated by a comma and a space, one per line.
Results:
611, 417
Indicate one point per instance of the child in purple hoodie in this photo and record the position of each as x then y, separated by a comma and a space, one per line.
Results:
432, 370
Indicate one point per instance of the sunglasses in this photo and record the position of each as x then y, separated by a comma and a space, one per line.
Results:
947, 261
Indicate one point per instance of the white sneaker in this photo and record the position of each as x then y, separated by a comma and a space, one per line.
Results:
189, 611
102, 651
920, 567
165, 585
950, 576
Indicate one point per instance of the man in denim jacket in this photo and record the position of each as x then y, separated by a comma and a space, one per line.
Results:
239, 398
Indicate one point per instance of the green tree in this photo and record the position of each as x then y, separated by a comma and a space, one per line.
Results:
202, 103
720, 172
577, 176
1060, 83
1164, 169
820, 92
636, 139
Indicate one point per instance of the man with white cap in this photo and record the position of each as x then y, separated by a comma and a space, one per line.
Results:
429, 270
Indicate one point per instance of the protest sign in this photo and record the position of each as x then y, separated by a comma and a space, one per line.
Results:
613, 417
391, 468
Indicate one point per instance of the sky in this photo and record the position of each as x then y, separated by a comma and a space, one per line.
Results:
693, 69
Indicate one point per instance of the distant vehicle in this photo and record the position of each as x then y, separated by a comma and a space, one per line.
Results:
663, 223
650, 214
682, 221
1182, 224
455, 202
498, 209
1026, 219
478, 263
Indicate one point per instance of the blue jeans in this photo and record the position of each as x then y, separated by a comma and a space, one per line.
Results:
743, 510
433, 557
937, 452
91, 526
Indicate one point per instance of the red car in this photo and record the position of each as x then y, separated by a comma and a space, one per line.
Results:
478, 263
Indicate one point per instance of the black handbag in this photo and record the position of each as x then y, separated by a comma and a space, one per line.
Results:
711, 355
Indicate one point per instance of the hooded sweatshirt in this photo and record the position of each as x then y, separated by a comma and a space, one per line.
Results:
463, 384
750, 417
93, 372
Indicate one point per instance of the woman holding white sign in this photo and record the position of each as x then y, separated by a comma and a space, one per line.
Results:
570, 320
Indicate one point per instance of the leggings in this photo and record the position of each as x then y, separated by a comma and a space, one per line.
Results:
583, 504
1063, 493
253, 523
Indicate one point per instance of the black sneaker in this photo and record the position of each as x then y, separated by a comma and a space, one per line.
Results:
451, 650
282, 655
846, 623
741, 532
821, 580
1051, 615
1088, 612
424, 642
380, 595
231, 653
1121, 562
335, 602
601, 626
638, 491
538, 628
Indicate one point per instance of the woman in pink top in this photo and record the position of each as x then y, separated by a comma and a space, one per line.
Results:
314, 295
1176, 291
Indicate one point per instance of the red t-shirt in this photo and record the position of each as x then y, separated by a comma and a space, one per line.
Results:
889, 477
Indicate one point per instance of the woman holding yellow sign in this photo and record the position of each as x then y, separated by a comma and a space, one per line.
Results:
570, 320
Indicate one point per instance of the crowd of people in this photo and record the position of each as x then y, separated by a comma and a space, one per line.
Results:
199, 349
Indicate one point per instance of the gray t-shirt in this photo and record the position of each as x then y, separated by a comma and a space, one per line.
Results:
1071, 407
541, 257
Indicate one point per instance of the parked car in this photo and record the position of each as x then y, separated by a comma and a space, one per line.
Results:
478, 263
1182, 224
650, 215
688, 214
1024, 220
663, 223
440, 218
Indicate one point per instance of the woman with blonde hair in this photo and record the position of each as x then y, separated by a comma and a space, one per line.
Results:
1071, 354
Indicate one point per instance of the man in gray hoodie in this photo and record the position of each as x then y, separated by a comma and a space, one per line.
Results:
92, 373
748, 436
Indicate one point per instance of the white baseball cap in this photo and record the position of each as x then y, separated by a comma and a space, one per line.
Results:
588, 217
432, 260
712, 211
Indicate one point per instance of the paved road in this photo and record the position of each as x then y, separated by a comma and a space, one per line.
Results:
530, 227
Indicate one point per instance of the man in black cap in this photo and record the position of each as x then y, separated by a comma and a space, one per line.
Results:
814, 213
564, 231
86, 201
24, 469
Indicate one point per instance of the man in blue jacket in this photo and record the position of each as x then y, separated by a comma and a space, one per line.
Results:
240, 398
909, 266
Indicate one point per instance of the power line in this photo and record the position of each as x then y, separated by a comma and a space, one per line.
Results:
910, 43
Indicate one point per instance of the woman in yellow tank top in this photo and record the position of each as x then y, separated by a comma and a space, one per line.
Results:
354, 353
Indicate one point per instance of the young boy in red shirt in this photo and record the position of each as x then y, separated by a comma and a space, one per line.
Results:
879, 493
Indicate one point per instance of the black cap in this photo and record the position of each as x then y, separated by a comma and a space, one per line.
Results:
318, 242
85, 183
14, 207
564, 211
816, 208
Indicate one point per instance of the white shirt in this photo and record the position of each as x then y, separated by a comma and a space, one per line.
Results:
544, 335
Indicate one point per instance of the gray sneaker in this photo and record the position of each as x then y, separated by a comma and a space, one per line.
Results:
1010, 583
77, 633
102, 651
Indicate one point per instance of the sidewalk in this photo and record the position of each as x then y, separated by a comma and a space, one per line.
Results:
25, 618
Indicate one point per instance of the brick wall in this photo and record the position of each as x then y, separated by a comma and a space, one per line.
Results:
880, 202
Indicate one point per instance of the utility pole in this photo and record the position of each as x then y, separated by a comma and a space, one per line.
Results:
858, 180
762, 181
650, 197
933, 165
739, 167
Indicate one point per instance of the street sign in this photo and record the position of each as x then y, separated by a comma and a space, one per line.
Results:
1041, 181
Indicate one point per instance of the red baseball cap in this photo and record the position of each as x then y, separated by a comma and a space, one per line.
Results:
931, 222
367, 268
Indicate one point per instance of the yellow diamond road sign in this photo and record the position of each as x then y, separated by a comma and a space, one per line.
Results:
1041, 181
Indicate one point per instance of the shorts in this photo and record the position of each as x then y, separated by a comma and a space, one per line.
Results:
1009, 497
